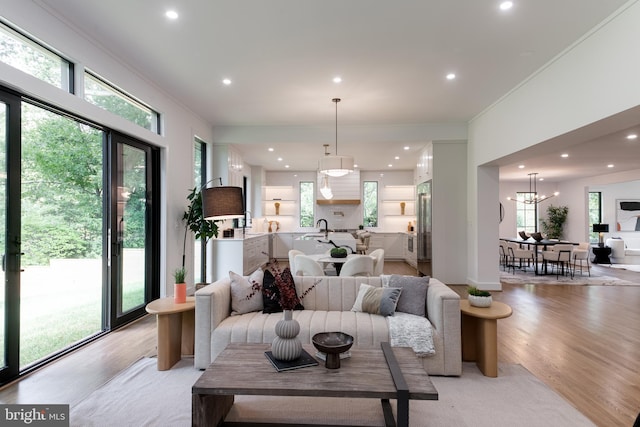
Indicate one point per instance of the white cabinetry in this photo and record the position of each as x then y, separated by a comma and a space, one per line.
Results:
282, 244
411, 250
393, 246
242, 256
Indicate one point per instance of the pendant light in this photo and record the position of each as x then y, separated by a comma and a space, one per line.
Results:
336, 165
532, 197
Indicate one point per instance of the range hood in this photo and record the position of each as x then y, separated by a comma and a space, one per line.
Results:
346, 190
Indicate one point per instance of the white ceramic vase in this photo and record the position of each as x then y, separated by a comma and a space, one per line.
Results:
477, 301
286, 345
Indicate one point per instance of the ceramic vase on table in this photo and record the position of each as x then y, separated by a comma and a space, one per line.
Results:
180, 293
286, 345
477, 301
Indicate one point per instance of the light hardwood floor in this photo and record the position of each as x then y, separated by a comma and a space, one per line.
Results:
582, 341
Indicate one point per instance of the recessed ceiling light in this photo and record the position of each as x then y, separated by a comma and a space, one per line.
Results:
407, 147
270, 149
286, 166
520, 166
171, 14
279, 159
390, 165
541, 179
355, 165
632, 136
451, 76
226, 82
610, 166
564, 155
337, 79
506, 5
397, 157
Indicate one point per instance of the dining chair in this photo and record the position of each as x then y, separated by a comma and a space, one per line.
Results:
307, 266
378, 261
515, 252
358, 266
293, 253
581, 254
560, 257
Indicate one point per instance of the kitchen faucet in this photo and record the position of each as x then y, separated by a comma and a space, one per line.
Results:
326, 226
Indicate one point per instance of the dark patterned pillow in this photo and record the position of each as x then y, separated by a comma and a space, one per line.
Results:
272, 291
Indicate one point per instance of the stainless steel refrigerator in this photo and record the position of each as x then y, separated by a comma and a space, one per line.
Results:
424, 228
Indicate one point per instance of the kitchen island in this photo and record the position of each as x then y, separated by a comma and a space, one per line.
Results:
318, 243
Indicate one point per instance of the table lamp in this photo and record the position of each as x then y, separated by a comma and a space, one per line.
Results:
601, 229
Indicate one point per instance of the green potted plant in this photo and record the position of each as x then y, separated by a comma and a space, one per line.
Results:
201, 228
180, 286
556, 217
479, 298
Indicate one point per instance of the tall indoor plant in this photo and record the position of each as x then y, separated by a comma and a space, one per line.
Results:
556, 217
201, 228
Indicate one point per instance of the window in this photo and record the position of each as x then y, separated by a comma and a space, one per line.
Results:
19, 51
200, 176
370, 203
595, 213
98, 92
307, 203
526, 213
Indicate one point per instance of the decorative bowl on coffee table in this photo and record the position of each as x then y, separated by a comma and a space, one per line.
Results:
332, 343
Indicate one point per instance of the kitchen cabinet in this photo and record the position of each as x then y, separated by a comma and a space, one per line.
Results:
393, 246
240, 255
411, 250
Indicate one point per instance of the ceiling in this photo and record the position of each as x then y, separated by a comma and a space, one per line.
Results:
281, 56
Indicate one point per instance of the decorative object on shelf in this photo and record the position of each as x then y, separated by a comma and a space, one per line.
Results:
332, 344
286, 345
402, 206
409, 227
601, 229
335, 165
531, 197
478, 298
277, 206
556, 217
179, 287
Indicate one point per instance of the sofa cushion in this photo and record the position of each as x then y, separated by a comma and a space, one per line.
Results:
413, 298
374, 300
245, 294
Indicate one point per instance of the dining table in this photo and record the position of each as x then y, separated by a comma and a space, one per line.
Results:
544, 243
337, 262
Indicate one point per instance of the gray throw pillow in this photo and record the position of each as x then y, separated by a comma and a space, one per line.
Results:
413, 298
245, 292
374, 300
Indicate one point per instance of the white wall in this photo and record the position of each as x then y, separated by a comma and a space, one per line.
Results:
590, 81
179, 127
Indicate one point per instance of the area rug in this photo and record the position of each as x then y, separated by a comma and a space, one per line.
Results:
630, 267
529, 278
144, 396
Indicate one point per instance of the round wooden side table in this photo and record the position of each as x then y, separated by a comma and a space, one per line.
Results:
480, 334
176, 328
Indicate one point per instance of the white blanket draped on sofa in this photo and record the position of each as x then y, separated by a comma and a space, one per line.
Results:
408, 330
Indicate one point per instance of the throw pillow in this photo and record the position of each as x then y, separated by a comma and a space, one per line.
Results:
272, 295
246, 298
414, 293
374, 300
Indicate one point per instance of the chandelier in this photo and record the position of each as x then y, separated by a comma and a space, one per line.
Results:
532, 198
336, 165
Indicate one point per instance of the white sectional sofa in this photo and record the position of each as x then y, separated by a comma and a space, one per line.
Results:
326, 308
624, 250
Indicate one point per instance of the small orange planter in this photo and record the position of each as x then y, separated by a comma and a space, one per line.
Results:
180, 293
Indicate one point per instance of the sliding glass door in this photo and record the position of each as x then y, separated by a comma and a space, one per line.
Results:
78, 232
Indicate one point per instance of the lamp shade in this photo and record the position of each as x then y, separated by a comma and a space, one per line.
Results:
336, 165
600, 228
222, 203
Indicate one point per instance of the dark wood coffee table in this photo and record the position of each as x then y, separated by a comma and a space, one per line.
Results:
380, 373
